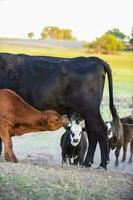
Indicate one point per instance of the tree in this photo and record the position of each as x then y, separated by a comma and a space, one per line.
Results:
67, 34
54, 32
116, 32
30, 35
50, 32
131, 39
107, 43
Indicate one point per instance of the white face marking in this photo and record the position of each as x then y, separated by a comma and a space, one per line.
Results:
75, 136
110, 134
109, 126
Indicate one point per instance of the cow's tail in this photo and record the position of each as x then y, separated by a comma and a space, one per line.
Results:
117, 126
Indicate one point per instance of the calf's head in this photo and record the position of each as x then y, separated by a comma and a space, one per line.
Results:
111, 137
52, 120
114, 141
75, 134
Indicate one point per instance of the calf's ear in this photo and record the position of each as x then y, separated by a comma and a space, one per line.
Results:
44, 118
68, 128
84, 129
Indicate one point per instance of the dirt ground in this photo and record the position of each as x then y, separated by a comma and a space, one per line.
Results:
45, 146
39, 175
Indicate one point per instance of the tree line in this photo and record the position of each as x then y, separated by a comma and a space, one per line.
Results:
53, 32
111, 41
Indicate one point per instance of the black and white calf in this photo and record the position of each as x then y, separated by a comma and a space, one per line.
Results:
74, 144
127, 125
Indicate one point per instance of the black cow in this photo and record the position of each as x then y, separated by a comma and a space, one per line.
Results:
74, 144
66, 85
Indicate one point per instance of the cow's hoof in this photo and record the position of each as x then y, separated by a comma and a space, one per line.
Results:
104, 168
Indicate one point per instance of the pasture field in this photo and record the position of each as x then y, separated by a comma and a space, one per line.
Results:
39, 174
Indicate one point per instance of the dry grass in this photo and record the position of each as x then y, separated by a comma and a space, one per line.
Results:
28, 181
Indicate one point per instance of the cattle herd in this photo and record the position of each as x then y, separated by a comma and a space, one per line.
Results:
40, 93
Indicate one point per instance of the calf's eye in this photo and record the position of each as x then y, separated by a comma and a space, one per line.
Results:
72, 134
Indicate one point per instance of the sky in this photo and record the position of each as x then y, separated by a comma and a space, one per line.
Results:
87, 19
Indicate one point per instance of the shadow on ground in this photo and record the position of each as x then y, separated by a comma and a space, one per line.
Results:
44, 148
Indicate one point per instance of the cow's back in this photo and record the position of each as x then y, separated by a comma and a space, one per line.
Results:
50, 82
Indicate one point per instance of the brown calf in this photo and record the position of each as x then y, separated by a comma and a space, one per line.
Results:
127, 123
17, 117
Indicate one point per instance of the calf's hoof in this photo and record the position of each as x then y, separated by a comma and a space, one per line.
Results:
108, 160
116, 163
130, 161
14, 159
87, 164
123, 160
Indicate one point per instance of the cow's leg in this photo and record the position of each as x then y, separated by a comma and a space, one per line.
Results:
124, 152
0, 146
117, 153
97, 131
131, 152
104, 148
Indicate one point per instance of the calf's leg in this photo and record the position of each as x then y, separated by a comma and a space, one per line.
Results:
89, 160
0, 146
8, 147
124, 152
64, 159
131, 152
117, 153
8, 151
81, 159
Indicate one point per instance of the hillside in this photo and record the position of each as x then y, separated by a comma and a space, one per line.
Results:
38, 43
